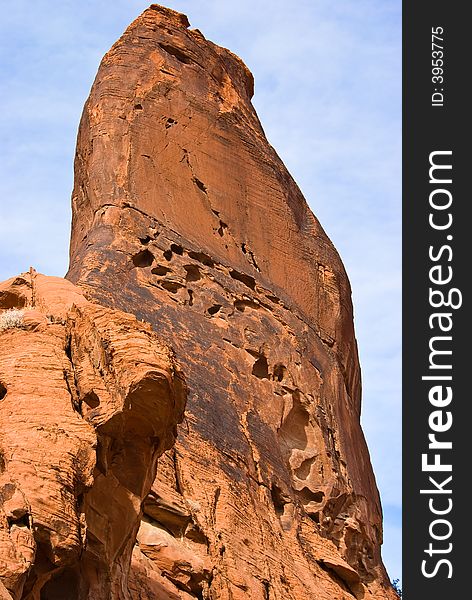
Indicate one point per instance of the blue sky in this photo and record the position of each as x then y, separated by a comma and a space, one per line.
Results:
328, 93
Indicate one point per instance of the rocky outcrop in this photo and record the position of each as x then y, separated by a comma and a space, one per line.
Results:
184, 215
89, 398
185, 218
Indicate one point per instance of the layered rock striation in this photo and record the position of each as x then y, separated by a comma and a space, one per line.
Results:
185, 217
89, 398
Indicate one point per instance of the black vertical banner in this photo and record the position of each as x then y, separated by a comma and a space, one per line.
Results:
436, 319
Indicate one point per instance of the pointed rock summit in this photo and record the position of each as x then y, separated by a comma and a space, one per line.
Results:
187, 228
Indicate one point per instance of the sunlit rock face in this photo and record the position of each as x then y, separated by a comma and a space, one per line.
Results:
185, 217
89, 399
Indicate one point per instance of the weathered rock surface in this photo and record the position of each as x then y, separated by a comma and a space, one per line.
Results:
184, 215
89, 398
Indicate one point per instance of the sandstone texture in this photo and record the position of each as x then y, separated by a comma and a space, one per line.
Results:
185, 217
89, 398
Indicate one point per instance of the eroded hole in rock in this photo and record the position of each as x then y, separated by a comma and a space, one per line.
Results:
241, 305
143, 259
214, 309
190, 297
145, 240
23, 521
266, 585
243, 278
193, 273
261, 368
3, 391
170, 122
195, 534
315, 517
307, 496
160, 270
278, 499
91, 399
293, 429
138, 107
176, 249
171, 286
179, 55
42, 564
200, 185
279, 371
167, 254
303, 471
65, 584
221, 228
202, 258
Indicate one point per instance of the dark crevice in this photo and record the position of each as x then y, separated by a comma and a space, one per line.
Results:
261, 368
65, 583
68, 348
23, 521
179, 55
278, 499
177, 249
278, 373
307, 496
193, 273
170, 122
72, 391
266, 585
160, 270
167, 254
171, 286
178, 484
241, 305
214, 309
347, 586
250, 255
243, 278
145, 240
70, 378
190, 297
3, 391
143, 259
200, 185
221, 228
138, 107
91, 399
203, 258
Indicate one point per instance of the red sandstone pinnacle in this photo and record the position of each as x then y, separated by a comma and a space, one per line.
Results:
184, 216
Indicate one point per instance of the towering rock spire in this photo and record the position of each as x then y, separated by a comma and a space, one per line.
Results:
184, 215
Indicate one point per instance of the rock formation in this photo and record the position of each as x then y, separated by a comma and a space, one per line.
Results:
89, 398
184, 216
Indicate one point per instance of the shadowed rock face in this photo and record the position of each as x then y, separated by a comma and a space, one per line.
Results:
184, 215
